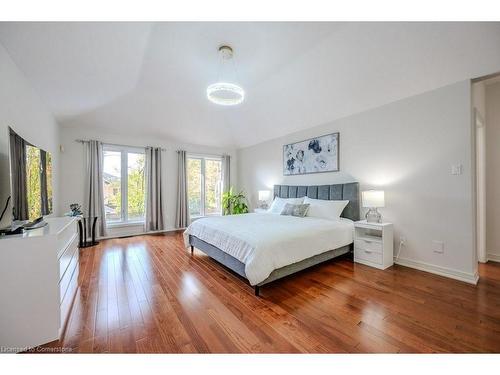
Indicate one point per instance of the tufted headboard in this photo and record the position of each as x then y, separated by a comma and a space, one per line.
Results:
349, 191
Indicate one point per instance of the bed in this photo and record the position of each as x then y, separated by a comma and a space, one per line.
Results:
263, 247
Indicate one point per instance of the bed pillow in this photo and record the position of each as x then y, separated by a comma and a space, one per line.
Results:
279, 203
325, 209
299, 210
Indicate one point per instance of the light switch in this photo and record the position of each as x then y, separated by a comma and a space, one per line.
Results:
456, 169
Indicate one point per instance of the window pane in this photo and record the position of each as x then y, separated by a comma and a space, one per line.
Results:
194, 186
112, 185
213, 187
135, 187
34, 191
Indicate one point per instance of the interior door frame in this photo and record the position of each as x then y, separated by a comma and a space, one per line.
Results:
480, 185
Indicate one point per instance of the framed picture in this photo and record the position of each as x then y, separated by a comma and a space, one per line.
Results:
315, 155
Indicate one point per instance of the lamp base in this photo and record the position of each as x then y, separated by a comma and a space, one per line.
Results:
373, 216
263, 205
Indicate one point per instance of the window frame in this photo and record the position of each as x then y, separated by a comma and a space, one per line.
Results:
203, 158
124, 151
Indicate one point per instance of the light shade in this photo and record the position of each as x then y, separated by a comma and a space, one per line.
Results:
373, 198
224, 93
264, 195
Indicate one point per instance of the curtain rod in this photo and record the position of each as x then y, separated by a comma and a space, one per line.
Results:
203, 154
115, 144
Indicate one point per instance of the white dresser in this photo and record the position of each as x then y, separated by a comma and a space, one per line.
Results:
38, 283
373, 244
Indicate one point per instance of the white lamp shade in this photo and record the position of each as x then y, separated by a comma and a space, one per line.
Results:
373, 198
264, 195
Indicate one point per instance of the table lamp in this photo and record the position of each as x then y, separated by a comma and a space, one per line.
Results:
373, 199
264, 198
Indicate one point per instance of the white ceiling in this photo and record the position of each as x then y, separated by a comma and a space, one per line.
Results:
150, 78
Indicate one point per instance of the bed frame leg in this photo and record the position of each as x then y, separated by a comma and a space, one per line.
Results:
192, 249
257, 291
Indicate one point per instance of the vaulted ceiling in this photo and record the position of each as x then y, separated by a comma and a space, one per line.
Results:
150, 78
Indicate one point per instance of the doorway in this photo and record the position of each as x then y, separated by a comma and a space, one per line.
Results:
486, 128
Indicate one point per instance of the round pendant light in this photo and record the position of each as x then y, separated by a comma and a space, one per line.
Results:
223, 92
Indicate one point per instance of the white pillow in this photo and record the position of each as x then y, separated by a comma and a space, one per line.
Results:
279, 203
325, 209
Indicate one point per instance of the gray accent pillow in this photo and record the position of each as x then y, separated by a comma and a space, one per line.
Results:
299, 210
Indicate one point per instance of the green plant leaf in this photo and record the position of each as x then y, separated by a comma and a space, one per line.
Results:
234, 203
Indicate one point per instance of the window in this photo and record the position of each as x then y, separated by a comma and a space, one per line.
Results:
204, 182
124, 189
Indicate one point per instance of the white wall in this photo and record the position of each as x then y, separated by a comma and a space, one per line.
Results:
22, 109
405, 148
493, 171
73, 168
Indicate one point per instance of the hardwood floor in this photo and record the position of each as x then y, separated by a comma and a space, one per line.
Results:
148, 294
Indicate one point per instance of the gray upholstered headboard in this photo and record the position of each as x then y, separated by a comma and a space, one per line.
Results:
349, 191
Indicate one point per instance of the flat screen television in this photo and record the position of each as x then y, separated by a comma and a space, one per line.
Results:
30, 179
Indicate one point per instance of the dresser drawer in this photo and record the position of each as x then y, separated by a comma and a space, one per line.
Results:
67, 255
68, 274
368, 255
65, 237
67, 299
367, 244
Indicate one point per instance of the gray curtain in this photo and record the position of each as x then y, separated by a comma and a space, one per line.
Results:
154, 198
182, 214
18, 171
94, 196
226, 175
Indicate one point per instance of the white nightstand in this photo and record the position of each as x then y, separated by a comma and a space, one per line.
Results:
260, 210
373, 244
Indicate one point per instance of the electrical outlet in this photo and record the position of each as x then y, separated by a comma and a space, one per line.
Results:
438, 246
402, 240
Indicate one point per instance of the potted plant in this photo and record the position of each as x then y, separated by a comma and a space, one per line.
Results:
234, 203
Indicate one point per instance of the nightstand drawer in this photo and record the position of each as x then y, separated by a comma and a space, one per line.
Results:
371, 245
368, 255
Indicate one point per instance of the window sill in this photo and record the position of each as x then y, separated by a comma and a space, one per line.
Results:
202, 216
127, 224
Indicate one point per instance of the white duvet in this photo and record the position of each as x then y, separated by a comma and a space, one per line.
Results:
265, 242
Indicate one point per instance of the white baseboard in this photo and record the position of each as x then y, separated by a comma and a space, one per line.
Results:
494, 257
438, 270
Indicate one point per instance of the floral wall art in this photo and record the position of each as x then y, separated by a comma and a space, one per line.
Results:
316, 155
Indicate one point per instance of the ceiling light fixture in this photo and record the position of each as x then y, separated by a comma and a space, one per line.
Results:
225, 93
